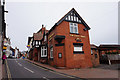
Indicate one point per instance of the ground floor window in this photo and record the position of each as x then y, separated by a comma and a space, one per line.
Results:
78, 48
43, 51
51, 52
96, 56
91, 52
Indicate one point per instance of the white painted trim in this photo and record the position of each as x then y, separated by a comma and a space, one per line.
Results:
43, 51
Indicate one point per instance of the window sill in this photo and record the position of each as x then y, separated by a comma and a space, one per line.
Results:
78, 52
51, 59
74, 33
43, 56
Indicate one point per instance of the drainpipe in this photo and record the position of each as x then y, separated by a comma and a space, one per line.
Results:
109, 62
109, 59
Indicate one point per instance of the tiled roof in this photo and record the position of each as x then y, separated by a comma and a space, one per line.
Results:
109, 46
93, 46
37, 36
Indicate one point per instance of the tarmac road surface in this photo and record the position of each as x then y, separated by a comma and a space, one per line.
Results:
18, 69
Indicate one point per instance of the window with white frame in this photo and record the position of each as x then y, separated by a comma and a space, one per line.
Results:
37, 45
36, 42
33, 43
91, 51
51, 52
45, 38
43, 51
78, 48
73, 27
39, 42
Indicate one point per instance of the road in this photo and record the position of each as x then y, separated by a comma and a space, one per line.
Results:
22, 69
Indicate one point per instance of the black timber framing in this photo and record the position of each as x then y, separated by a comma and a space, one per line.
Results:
63, 19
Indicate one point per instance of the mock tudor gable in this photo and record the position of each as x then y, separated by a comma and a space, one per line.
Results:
72, 16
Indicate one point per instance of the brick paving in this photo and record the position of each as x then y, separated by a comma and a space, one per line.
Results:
3, 73
84, 73
110, 67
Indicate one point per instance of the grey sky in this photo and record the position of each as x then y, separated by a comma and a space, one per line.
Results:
26, 18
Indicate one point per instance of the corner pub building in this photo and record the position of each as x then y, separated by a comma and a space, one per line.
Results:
68, 42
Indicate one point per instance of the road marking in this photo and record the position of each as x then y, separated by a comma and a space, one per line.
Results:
39, 66
45, 78
29, 70
19, 64
53, 71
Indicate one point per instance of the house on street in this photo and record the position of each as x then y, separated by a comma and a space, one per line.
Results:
65, 45
39, 45
68, 42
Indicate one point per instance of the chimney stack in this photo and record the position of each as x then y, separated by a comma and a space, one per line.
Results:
42, 26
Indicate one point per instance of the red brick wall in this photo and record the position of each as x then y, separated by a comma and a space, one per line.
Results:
71, 60
60, 61
51, 41
31, 54
95, 61
35, 54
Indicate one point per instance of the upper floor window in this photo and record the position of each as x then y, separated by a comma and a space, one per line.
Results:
36, 42
91, 52
33, 43
78, 48
73, 28
45, 38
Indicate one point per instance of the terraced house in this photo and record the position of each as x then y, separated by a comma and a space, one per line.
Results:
38, 45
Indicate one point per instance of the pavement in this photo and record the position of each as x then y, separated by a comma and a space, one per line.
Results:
103, 72
110, 67
0, 69
3, 73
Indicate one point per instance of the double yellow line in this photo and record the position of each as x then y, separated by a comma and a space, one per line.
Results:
8, 71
